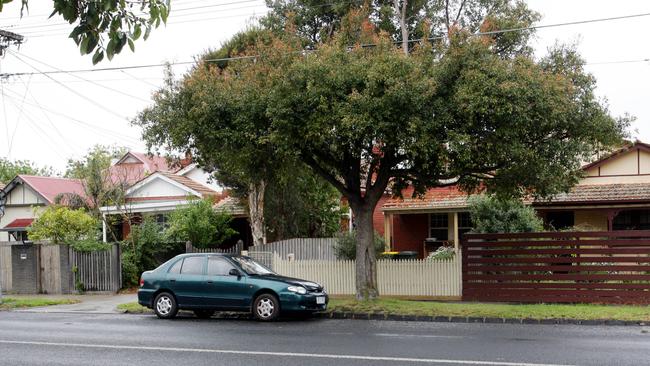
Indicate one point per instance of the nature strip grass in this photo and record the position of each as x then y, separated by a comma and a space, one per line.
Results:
392, 306
9, 303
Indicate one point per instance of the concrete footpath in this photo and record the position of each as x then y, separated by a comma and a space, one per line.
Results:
91, 304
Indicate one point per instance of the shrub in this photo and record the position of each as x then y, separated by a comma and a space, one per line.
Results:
63, 225
140, 250
346, 245
490, 214
442, 253
199, 224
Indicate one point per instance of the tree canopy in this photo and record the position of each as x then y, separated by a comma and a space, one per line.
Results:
104, 27
10, 169
62, 225
367, 117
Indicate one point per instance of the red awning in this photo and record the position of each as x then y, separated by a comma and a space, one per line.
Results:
18, 225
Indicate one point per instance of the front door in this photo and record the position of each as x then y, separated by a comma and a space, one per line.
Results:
188, 282
226, 291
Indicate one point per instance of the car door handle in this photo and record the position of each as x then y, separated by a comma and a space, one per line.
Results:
172, 280
210, 282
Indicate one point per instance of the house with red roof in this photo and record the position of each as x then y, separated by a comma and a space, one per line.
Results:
24, 193
613, 195
156, 187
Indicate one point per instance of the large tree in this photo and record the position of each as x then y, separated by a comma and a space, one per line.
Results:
10, 169
106, 26
463, 112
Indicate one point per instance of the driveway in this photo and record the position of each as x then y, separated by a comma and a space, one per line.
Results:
93, 304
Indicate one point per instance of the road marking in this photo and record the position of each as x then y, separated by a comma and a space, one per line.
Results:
396, 335
279, 354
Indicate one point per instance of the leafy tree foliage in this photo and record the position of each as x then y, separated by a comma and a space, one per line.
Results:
200, 224
316, 22
346, 244
465, 111
62, 225
491, 214
104, 27
10, 169
300, 204
140, 252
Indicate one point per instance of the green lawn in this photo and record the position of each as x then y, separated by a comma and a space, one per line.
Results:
18, 303
133, 308
490, 310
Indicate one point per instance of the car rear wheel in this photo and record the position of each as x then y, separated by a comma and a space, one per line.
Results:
266, 307
203, 314
165, 306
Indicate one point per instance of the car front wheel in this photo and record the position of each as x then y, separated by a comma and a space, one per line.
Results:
165, 306
266, 307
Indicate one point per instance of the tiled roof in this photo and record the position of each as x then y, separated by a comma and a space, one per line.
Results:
19, 224
452, 198
50, 187
434, 198
597, 193
189, 183
231, 205
129, 173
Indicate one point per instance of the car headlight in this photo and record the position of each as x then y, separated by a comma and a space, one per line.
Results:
297, 289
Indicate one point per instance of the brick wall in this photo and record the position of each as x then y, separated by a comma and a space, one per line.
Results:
409, 232
24, 269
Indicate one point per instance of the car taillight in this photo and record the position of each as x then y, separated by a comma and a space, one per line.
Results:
141, 282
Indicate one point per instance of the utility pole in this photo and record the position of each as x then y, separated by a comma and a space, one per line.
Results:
7, 39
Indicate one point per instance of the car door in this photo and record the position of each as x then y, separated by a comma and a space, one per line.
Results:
189, 283
227, 291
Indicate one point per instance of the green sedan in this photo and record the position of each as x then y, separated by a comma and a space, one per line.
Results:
205, 283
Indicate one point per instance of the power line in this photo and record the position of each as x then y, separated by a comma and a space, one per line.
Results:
20, 113
88, 125
81, 78
364, 45
70, 89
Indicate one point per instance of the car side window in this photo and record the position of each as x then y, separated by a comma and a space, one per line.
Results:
176, 268
218, 266
192, 266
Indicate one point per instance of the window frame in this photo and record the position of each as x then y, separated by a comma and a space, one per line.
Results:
439, 228
203, 264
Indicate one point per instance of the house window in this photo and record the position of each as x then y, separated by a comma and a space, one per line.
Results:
162, 220
632, 220
18, 235
439, 226
464, 223
559, 220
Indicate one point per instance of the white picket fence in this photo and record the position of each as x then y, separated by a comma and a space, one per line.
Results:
417, 278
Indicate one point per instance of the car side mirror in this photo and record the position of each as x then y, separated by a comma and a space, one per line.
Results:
234, 272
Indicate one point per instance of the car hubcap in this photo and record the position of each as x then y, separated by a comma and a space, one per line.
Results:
265, 308
164, 305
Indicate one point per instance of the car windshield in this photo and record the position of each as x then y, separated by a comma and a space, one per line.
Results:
251, 267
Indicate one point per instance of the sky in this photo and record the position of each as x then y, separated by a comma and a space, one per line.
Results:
49, 120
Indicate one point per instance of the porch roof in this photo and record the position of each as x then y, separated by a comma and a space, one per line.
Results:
451, 198
18, 225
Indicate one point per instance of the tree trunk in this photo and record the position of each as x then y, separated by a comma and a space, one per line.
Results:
366, 263
256, 211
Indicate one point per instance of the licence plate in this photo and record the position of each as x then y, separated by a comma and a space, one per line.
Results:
320, 300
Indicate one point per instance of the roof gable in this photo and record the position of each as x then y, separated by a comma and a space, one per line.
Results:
168, 185
47, 187
628, 148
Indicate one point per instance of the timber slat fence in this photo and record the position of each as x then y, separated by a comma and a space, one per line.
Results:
416, 278
591, 267
5, 267
301, 248
98, 271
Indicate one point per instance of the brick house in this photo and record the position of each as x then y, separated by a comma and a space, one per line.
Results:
613, 195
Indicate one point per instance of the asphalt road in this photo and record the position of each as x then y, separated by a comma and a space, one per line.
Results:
103, 339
